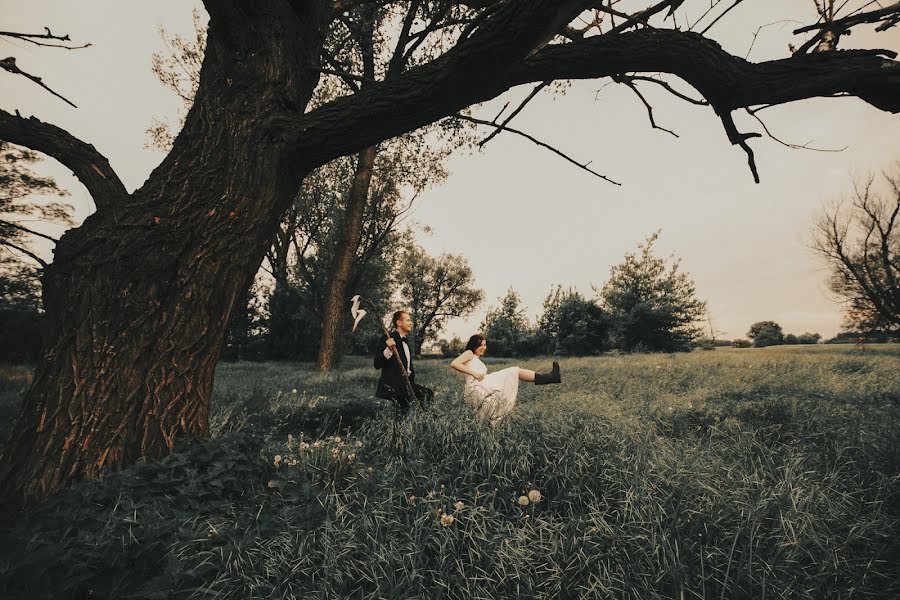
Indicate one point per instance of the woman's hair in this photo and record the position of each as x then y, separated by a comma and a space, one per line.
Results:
474, 342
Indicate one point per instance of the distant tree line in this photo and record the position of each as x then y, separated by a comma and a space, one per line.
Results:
646, 305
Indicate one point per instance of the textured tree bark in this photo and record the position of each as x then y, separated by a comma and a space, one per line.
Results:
137, 299
337, 301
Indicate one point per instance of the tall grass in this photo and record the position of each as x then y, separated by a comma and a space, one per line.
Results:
727, 474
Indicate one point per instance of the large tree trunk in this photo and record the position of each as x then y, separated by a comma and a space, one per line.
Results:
337, 298
138, 298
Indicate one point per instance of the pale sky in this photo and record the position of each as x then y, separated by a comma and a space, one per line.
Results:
523, 217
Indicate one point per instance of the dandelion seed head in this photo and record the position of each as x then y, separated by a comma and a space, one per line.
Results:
459, 505
447, 520
534, 496
524, 501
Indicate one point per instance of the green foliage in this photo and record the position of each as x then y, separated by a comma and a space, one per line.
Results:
651, 308
766, 333
20, 315
25, 198
506, 327
808, 338
726, 474
296, 307
576, 325
19, 186
741, 343
245, 336
435, 289
452, 348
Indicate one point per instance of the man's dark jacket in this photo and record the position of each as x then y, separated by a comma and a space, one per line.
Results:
391, 385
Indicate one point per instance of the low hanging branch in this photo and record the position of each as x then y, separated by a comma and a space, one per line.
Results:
512, 115
806, 146
739, 139
629, 81
539, 143
726, 81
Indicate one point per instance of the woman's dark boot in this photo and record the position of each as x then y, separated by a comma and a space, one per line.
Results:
551, 377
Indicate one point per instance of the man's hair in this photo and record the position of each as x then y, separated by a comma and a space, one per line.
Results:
397, 316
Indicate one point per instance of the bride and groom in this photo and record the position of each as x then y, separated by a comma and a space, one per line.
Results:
493, 395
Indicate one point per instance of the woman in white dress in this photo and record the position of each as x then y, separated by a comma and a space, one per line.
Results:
494, 396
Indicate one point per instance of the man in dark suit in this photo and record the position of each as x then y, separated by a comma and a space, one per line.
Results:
392, 384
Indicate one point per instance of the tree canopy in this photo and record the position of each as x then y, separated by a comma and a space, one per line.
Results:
859, 240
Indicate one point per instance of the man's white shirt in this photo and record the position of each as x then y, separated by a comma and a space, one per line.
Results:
387, 354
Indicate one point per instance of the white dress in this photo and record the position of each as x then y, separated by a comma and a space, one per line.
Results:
494, 396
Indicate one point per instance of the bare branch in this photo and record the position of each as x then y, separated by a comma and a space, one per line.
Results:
518, 109
669, 89
739, 139
805, 146
722, 14
888, 14
539, 143
759, 30
9, 64
47, 35
642, 17
628, 81
466, 76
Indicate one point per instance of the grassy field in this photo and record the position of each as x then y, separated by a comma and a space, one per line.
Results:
759, 473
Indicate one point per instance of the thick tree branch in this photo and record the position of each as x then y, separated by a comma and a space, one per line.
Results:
88, 165
462, 77
887, 14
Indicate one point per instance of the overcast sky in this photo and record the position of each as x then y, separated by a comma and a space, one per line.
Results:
523, 217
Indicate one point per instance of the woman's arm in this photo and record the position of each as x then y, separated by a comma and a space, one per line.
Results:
459, 363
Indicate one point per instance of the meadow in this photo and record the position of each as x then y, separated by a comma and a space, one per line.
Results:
756, 473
